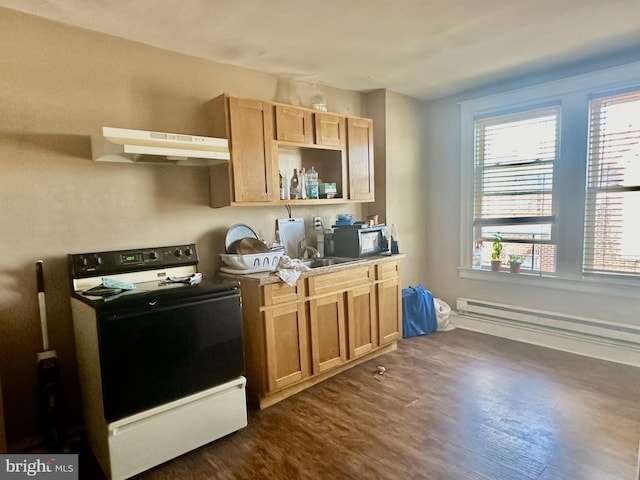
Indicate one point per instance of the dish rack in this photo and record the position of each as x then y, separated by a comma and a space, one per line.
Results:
257, 262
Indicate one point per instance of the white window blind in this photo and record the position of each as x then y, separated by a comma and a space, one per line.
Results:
515, 158
612, 207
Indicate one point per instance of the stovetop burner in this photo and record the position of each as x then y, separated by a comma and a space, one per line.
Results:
170, 271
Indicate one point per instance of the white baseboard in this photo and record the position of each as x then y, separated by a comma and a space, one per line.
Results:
545, 336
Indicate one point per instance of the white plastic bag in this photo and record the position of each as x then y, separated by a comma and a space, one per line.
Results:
442, 314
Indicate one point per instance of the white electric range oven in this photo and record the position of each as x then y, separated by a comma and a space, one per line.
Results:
160, 355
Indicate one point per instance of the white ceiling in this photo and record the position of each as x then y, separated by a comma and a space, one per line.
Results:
422, 48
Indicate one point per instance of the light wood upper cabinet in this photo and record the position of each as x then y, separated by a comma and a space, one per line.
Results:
330, 129
303, 126
249, 176
265, 138
293, 124
360, 158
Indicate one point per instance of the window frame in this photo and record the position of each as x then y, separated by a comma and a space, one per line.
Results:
551, 219
591, 191
572, 94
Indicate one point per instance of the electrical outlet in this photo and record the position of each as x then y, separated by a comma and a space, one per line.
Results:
317, 222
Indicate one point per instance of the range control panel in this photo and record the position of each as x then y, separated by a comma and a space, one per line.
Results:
82, 265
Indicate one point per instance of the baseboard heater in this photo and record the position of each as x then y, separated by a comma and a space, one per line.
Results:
618, 342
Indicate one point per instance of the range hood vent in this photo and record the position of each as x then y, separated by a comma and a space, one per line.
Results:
140, 146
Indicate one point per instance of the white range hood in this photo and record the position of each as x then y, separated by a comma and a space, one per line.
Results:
140, 146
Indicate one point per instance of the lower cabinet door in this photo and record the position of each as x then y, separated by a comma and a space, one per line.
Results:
328, 332
389, 311
286, 345
361, 318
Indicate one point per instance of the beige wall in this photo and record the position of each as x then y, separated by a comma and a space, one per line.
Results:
58, 86
406, 187
400, 175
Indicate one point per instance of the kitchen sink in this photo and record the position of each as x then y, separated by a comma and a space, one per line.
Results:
328, 261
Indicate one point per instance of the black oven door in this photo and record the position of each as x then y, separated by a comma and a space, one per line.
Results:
159, 351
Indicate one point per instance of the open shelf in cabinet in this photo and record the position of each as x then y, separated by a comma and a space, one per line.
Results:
330, 163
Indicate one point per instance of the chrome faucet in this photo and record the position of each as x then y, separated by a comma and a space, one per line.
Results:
304, 249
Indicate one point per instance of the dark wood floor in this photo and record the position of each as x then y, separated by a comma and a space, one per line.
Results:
457, 405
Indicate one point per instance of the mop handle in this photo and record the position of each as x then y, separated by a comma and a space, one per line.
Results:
43, 306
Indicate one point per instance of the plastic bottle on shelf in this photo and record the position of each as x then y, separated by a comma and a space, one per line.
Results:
295, 186
286, 195
312, 183
281, 186
303, 184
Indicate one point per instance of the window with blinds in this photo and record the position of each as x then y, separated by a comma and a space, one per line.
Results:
612, 206
514, 164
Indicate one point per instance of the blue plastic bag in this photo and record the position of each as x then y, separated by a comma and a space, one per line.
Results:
418, 312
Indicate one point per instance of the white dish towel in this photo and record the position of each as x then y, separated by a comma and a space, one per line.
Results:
289, 269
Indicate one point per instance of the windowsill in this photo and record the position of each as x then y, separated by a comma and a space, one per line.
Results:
614, 288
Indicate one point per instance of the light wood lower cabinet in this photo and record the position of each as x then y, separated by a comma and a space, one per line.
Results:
298, 336
361, 312
389, 296
342, 316
328, 332
286, 345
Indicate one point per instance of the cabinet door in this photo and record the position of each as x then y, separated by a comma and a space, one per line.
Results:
286, 345
330, 129
251, 131
328, 345
361, 318
389, 311
293, 124
360, 158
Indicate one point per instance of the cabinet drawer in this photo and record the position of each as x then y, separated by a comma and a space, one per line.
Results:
340, 281
277, 293
387, 271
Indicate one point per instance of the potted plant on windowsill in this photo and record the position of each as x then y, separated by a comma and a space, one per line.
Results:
496, 263
515, 261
